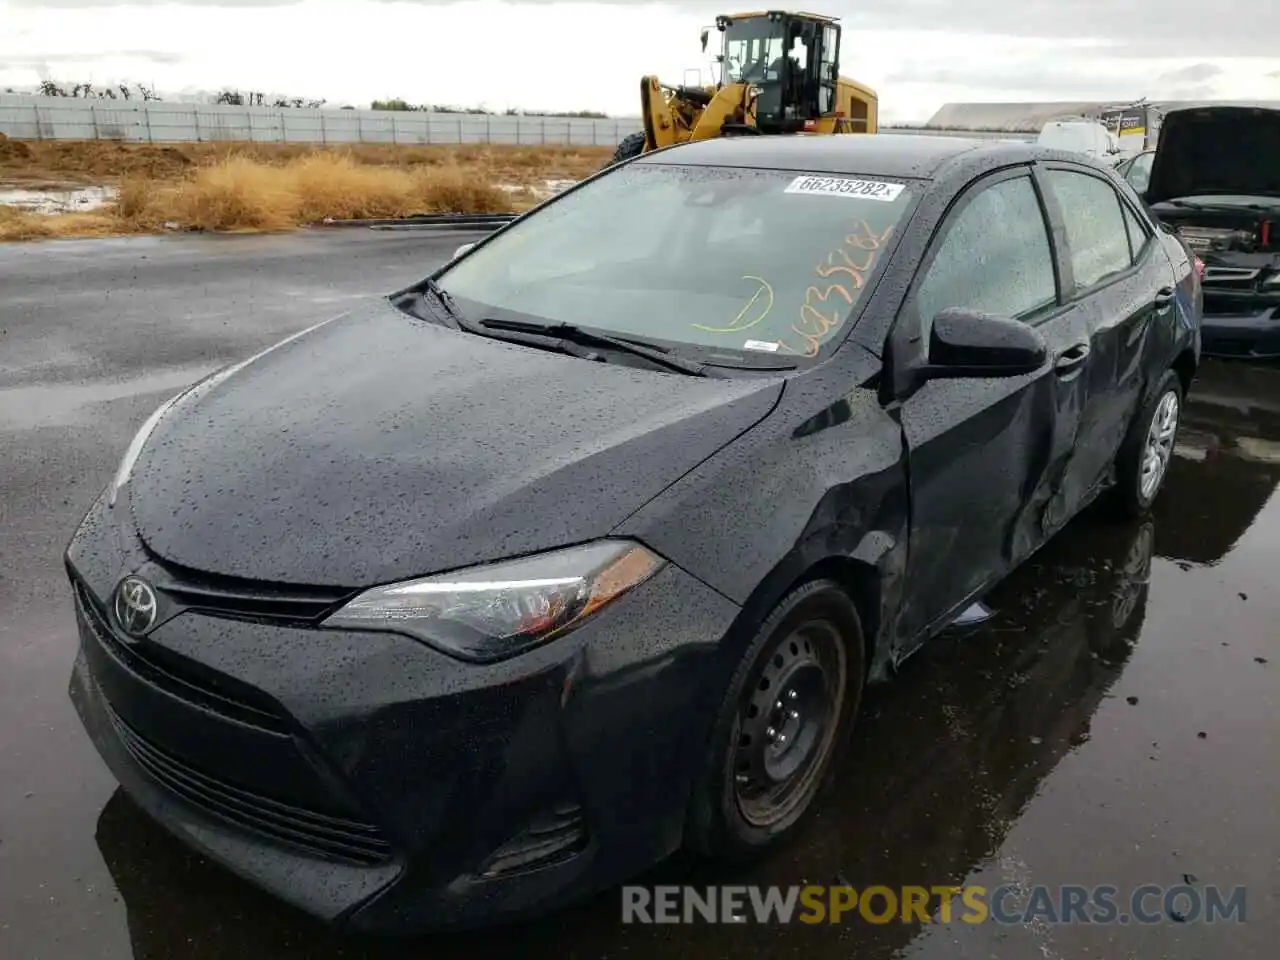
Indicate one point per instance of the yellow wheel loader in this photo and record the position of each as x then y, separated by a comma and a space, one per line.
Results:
779, 73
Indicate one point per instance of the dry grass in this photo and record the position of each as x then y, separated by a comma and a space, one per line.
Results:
20, 225
270, 187
106, 161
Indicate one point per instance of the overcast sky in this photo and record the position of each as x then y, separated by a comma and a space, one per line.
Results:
918, 54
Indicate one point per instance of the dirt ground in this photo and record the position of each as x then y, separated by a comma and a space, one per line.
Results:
231, 186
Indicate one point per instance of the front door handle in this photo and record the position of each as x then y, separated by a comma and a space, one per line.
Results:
1071, 359
1164, 297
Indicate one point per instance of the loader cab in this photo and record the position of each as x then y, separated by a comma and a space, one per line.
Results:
793, 59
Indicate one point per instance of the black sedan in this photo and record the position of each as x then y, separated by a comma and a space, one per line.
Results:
492, 592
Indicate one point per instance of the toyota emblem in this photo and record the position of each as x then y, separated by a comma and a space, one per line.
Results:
135, 606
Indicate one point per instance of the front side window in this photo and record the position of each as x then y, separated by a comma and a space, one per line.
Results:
1096, 231
995, 257
698, 258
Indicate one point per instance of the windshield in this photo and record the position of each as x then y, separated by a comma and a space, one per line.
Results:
753, 50
699, 259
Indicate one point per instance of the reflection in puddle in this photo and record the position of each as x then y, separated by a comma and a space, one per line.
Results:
548, 189
68, 200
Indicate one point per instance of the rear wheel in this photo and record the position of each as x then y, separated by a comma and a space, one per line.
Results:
1144, 459
632, 145
785, 715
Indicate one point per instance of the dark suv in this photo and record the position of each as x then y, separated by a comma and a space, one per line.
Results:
1215, 182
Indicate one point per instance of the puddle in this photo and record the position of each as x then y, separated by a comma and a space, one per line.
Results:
67, 200
62, 404
549, 188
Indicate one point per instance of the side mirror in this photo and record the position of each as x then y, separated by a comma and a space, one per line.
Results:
462, 249
705, 35
969, 343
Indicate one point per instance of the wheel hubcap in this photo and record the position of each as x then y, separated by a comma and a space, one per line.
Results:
1159, 446
786, 723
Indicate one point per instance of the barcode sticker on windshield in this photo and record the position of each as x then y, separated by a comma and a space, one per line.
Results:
845, 187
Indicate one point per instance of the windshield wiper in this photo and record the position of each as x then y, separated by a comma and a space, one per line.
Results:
575, 334
445, 299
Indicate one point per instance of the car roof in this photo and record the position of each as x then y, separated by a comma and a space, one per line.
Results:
883, 154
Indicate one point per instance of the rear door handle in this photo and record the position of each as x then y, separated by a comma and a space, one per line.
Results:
1164, 297
1071, 359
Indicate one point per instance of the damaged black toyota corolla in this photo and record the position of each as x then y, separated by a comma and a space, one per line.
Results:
493, 592
1215, 181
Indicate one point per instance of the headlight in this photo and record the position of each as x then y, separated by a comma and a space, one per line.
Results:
498, 610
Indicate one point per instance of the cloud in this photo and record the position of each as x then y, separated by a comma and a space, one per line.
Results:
65, 57
1171, 28
1199, 91
1069, 79
918, 54
1192, 74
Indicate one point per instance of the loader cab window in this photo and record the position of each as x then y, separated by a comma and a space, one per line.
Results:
829, 69
753, 50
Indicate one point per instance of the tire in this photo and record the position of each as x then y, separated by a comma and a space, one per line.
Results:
632, 145
1152, 436
788, 710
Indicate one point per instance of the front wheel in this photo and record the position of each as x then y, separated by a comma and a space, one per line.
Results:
785, 715
1144, 460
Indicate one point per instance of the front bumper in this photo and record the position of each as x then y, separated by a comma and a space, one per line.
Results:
382, 786
1240, 323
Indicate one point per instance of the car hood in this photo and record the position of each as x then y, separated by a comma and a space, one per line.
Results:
378, 447
1216, 150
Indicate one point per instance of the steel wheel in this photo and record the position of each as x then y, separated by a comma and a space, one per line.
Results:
787, 722
1158, 448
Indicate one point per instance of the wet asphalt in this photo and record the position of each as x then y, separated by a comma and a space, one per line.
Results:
1116, 722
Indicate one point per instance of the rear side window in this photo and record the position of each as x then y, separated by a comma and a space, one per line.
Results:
1138, 234
995, 257
1094, 221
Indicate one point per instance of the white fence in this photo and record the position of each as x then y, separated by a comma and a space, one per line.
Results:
156, 121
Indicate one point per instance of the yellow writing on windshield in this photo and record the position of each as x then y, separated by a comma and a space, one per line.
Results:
752, 313
846, 268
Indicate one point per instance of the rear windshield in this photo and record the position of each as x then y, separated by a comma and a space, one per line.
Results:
700, 259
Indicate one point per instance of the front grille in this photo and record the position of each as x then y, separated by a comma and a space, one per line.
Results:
1240, 278
180, 677
237, 597
332, 838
